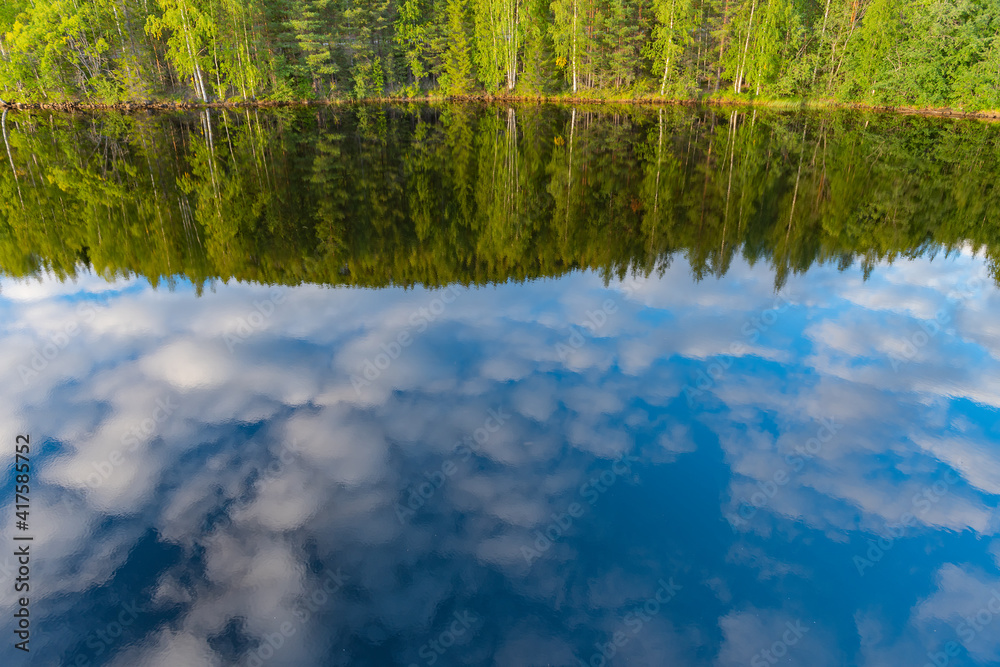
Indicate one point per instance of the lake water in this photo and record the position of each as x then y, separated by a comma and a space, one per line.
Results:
479, 385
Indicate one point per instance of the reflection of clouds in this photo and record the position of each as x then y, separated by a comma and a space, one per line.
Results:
190, 364
168, 648
47, 287
969, 601
884, 410
336, 442
977, 460
527, 646
272, 466
763, 636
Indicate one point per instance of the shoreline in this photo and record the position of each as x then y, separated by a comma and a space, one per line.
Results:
775, 104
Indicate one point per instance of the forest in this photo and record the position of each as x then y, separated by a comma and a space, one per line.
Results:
918, 53
484, 193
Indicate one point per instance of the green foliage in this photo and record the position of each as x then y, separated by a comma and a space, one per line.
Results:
568, 38
369, 80
777, 42
312, 34
620, 42
368, 32
413, 35
188, 31
877, 49
539, 52
456, 77
675, 21
496, 39
375, 196
943, 53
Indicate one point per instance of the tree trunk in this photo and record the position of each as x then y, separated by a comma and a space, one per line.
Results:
746, 46
670, 48
199, 84
722, 46
574, 54
822, 34
569, 175
3, 125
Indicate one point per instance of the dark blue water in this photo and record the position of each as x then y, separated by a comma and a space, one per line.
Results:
559, 472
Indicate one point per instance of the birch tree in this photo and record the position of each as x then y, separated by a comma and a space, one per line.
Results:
497, 34
675, 22
187, 33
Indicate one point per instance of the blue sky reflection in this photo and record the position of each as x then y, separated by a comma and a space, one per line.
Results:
516, 474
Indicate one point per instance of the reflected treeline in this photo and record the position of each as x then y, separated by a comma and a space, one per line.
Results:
476, 194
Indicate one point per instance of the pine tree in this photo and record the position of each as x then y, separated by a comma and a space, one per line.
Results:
456, 78
312, 34
538, 48
413, 36
620, 44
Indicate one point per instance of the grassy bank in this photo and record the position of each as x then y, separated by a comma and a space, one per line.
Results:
565, 99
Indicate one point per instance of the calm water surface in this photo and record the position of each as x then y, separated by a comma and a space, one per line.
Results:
490, 386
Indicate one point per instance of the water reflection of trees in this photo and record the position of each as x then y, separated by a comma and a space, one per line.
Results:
475, 194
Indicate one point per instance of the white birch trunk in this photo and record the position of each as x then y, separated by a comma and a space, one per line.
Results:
746, 46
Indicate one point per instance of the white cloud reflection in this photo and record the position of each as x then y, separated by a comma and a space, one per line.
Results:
271, 468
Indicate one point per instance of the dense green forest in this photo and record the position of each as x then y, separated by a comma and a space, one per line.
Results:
897, 52
475, 193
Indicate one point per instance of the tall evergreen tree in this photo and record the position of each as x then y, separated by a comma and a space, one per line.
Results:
456, 78
311, 23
